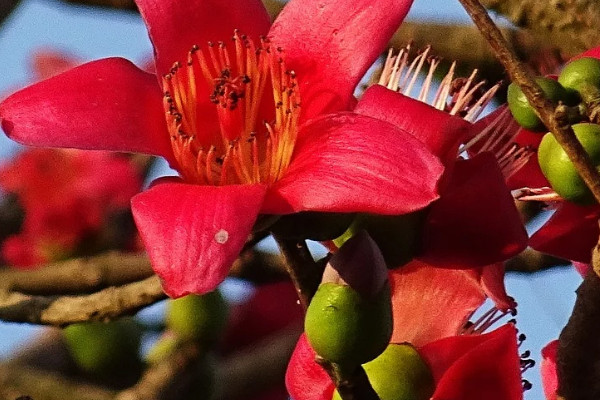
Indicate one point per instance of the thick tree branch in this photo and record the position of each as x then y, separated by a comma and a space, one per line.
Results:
78, 275
7, 7
569, 25
105, 305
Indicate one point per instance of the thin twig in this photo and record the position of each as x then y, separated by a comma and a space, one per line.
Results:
353, 385
105, 305
549, 114
304, 272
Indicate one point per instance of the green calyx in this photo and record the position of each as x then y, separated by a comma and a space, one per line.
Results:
399, 373
200, 318
560, 171
346, 328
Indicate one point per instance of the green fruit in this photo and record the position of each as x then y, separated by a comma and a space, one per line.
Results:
395, 235
104, 348
523, 112
346, 328
581, 72
399, 373
561, 172
199, 318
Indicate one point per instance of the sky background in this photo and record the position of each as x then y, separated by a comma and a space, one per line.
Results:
545, 300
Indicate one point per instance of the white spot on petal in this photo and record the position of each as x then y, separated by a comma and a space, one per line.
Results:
222, 236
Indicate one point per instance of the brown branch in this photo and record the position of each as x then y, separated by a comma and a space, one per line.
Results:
105, 305
531, 260
79, 275
555, 121
160, 375
18, 380
301, 267
571, 26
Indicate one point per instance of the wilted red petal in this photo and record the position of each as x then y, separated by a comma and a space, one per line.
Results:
548, 370
475, 222
441, 132
107, 104
476, 367
194, 233
431, 303
48, 63
341, 160
571, 233
175, 26
331, 44
305, 379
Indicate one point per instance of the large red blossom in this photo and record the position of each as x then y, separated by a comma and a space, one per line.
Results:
65, 196
215, 99
474, 222
431, 306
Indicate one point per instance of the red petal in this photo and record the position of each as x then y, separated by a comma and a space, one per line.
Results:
548, 370
441, 132
331, 44
571, 233
594, 53
342, 160
492, 281
107, 105
475, 222
194, 233
431, 303
175, 26
476, 367
305, 379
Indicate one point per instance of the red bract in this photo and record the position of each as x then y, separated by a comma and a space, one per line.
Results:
65, 195
548, 370
248, 124
431, 306
474, 222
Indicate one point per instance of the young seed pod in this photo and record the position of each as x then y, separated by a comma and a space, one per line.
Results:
524, 113
560, 171
349, 320
579, 73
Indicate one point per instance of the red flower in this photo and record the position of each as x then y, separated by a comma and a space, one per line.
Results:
548, 370
431, 306
65, 196
474, 222
233, 165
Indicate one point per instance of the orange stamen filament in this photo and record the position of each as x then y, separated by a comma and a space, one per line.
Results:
240, 149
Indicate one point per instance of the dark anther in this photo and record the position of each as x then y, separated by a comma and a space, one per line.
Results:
246, 79
220, 160
279, 49
210, 44
526, 354
522, 337
195, 48
526, 384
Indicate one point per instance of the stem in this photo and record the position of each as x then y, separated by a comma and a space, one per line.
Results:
301, 267
351, 385
556, 122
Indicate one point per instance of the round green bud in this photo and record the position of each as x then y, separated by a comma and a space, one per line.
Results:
201, 318
346, 328
561, 172
523, 112
580, 72
399, 373
104, 348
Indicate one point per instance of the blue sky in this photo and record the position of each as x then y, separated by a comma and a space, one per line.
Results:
545, 300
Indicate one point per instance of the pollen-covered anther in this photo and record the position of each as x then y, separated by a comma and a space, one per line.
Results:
256, 108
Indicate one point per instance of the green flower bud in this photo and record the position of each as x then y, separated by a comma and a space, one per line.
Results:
399, 373
199, 318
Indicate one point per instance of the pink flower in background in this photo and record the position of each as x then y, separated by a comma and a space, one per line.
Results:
253, 125
65, 195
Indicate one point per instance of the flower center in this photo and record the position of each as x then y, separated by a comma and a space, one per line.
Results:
232, 113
